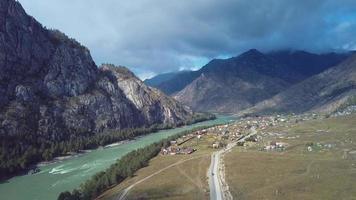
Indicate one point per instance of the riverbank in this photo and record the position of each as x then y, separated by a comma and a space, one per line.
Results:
40, 149
63, 158
153, 129
80, 153
73, 172
173, 173
124, 168
116, 144
181, 175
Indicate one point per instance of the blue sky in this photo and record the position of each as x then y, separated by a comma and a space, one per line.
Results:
156, 36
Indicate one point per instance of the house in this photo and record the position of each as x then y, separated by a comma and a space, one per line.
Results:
240, 143
252, 138
174, 150
187, 150
164, 151
281, 144
269, 147
310, 148
276, 145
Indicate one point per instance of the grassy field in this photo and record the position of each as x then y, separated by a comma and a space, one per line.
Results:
186, 180
328, 171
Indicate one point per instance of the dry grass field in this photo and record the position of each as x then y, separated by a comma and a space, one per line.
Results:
186, 180
327, 171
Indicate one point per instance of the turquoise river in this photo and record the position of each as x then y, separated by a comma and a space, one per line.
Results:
69, 174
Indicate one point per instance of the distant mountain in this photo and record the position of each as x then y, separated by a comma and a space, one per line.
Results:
171, 83
160, 78
54, 99
232, 85
324, 92
292, 65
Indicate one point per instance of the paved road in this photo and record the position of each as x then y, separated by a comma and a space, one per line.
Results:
215, 182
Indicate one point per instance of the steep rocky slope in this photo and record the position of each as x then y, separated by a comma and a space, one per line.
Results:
324, 92
51, 91
240, 82
155, 106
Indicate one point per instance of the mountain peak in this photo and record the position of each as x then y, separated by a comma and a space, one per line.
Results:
120, 71
252, 53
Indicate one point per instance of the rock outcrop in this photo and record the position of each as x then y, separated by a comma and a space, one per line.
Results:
154, 105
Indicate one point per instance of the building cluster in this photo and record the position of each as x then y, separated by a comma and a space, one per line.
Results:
273, 145
176, 147
176, 150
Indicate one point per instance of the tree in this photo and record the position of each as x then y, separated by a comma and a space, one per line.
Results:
65, 196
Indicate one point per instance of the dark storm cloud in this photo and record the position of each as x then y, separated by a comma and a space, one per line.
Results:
153, 36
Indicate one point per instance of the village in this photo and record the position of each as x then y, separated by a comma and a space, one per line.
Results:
238, 131
249, 132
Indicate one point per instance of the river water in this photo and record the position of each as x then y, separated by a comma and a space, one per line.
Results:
69, 174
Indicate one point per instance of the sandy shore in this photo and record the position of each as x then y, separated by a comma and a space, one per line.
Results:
80, 153
116, 144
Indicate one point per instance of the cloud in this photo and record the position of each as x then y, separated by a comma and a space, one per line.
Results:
155, 36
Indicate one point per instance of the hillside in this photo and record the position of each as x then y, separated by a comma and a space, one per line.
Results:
54, 99
234, 84
324, 92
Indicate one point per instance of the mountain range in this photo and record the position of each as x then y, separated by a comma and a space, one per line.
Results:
235, 84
